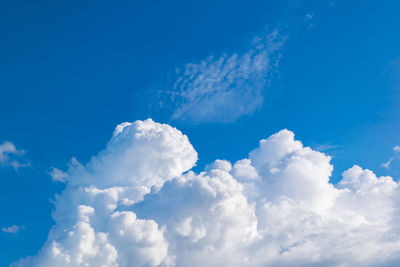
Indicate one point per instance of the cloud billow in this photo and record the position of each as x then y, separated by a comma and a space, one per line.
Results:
137, 203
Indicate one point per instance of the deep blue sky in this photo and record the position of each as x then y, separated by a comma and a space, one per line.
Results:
70, 71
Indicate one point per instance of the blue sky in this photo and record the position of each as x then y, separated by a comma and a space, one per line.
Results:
71, 71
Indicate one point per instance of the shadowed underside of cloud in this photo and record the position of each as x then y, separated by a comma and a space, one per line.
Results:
135, 204
221, 89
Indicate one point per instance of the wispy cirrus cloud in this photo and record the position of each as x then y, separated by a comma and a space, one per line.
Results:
396, 150
10, 156
13, 229
326, 147
224, 88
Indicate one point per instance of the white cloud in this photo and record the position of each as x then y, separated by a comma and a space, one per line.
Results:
387, 164
221, 89
9, 154
134, 205
12, 229
326, 147
58, 175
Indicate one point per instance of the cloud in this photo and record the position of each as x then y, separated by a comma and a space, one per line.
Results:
58, 175
386, 165
12, 229
136, 203
9, 154
222, 89
326, 147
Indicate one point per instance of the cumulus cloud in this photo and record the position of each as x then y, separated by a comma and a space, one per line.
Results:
221, 89
12, 229
136, 203
9, 155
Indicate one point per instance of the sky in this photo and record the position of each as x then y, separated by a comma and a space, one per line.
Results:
317, 81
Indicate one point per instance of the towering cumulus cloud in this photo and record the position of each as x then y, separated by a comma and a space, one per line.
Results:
135, 204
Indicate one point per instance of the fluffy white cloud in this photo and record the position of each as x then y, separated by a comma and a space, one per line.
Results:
9, 154
221, 89
94, 226
134, 205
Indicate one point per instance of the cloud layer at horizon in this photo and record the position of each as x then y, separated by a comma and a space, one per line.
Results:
137, 203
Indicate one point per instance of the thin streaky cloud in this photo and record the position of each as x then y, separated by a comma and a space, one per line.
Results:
326, 147
386, 164
396, 150
224, 88
12, 229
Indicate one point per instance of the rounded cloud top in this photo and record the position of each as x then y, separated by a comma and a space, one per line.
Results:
142, 154
133, 204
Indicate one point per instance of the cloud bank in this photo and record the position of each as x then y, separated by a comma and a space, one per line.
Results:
136, 203
222, 89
